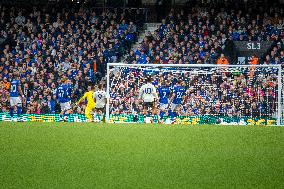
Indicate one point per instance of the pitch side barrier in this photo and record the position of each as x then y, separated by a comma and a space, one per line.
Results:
140, 119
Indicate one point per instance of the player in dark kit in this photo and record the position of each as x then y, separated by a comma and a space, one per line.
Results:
15, 96
63, 94
164, 94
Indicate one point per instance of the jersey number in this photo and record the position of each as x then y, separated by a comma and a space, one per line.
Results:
61, 94
100, 96
179, 94
148, 91
13, 88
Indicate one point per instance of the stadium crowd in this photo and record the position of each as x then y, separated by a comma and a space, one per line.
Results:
51, 43
206, 36
202, 35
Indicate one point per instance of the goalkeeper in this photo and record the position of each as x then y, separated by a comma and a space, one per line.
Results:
91, 104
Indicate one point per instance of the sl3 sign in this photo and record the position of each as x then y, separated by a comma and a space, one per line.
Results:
249, 48
253, 46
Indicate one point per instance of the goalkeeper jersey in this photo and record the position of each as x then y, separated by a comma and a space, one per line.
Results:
90, 98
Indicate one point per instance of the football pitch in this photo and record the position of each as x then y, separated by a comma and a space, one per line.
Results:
90, 155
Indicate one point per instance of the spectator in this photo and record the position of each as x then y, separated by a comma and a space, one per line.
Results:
51, 104
222, 60
20, 20
6, 84
44, 108
253, 62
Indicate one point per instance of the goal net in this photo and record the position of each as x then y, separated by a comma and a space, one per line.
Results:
213, 94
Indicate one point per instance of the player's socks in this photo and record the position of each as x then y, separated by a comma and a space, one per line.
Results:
95, 115
12, 112
170, 113
162, 114
19, 111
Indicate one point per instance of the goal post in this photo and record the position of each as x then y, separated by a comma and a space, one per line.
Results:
269, 92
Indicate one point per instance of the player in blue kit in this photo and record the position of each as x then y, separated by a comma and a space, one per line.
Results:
178, 94
63, 94
15, 93
164, 94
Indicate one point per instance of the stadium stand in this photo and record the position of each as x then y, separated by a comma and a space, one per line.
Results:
49, 43
204, 34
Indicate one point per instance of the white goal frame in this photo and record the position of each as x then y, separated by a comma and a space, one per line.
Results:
279, 78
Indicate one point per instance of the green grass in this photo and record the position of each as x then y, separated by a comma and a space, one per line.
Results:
73, 155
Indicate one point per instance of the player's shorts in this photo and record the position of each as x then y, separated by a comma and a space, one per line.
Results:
15, 101
148, 105
163, 107
100, 107
65, 106
174, 106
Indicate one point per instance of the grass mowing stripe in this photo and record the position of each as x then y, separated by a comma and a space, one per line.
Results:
73, 155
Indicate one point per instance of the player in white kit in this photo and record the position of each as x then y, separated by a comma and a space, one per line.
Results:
100, 99
148, 93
